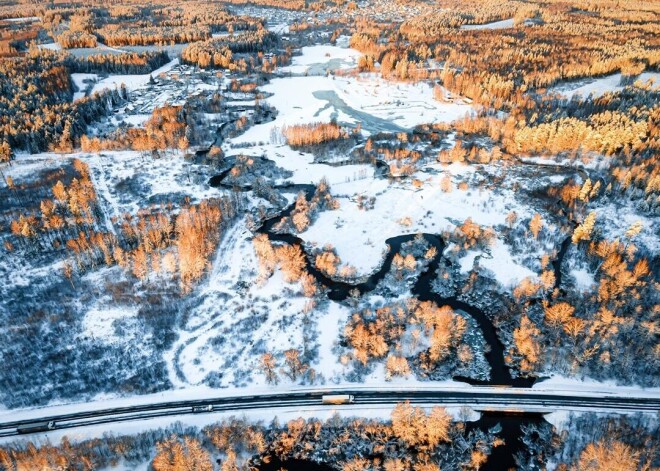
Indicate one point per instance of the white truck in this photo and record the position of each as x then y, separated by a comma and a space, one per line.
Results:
337, 399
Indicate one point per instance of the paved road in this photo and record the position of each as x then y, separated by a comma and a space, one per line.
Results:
487, 398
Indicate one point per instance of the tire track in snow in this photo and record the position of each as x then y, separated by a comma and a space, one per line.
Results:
228, 264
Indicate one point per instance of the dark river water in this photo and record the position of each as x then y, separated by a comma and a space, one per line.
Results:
502, 457
276, 464
338, 290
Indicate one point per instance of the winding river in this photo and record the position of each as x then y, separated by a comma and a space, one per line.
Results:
502, 457
500, 373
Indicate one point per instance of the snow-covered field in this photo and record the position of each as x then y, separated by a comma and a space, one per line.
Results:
359, 236
613, 221
238, 320
494, 25
377, 104
318, 59
131, 81
348, 178
51, 46
117, 174
101, 324
81, 83
600, 86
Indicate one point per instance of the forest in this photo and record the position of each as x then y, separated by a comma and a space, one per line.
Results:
410, 438
218, 52
36, 108
283, 194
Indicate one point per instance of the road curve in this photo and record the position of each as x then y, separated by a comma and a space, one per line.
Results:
517, 400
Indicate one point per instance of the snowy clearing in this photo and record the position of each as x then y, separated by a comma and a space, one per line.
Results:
494, 25
319, 59
378, 105
132, 81
600, 86
100, 324
51, 46
359, 236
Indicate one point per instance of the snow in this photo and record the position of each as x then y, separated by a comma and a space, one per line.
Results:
278, 28
330, 327
646, 76
136, 119
27, 276
99, 323
557, 178
51, 46
359, 236
498, 260
562, 385
218, 319
322, 58
205, 87
79, 80
105, 47
558, 419
124, 466
24, 19
600, 86
377, 104
494, 25
588, 161
584, 280
467, 262
230, 328
614, 221
170, 174
132, 82
500, 263
234, 319
345, 177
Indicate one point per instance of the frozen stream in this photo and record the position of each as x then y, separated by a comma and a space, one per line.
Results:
369, 122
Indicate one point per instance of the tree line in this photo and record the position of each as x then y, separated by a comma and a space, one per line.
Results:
36, 108
218, 52
159, 244
412, 438
302, 135
126, 63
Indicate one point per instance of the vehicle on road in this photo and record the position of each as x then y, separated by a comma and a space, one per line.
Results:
205, 408
337, 399
36, 427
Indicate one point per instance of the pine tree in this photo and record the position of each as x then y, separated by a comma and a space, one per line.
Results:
66, 138
6, 155
535, 225
268, 365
